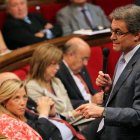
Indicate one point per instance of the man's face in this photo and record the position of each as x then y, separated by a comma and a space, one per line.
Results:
78, 2
79, 59
17, 8
122, 39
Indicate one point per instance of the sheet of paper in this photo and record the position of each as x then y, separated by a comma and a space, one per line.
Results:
90, 32
7, 51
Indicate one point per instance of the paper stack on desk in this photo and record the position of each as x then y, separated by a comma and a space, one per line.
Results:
91, 32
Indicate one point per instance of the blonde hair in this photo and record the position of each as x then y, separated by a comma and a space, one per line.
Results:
7, 90
42, 57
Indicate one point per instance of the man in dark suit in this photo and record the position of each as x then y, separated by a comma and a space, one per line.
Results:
76, 55
22, 28
121, 115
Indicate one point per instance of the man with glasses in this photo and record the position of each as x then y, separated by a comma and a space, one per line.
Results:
74, 75
120, 118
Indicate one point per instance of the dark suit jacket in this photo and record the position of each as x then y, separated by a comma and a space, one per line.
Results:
42, 125
122, 120
17, 33
48, 130
71, 87
137, 2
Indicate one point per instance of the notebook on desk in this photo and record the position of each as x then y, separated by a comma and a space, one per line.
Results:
81, 120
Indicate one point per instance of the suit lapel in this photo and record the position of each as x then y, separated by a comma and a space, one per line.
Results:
125, 74
71, 80
123, 77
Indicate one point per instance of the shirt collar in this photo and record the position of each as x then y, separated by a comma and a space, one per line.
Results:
130, 54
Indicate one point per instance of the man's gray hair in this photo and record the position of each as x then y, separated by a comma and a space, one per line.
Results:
130, 14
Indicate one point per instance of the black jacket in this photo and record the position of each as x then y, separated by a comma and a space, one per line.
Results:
71, 87
42, 125
17, 33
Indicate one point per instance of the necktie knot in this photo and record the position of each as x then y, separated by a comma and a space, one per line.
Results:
122, 60
83, 10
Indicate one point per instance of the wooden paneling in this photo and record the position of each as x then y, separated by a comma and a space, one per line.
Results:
20, 57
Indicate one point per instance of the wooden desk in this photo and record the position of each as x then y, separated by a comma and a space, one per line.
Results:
21, 57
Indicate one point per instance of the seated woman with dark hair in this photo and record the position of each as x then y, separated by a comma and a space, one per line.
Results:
42, 81
13, 99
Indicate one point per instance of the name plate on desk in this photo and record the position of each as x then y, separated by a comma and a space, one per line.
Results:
91, 32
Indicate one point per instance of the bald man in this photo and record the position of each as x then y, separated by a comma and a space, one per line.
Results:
74, 75
7, 75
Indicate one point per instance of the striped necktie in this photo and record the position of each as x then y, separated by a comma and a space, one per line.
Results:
119, 69
83, 82
86, 18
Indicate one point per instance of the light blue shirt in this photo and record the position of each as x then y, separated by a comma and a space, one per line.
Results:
87, 12
27, 20
64, 130
49, 34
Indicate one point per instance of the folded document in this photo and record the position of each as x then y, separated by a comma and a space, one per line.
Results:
81, 120
91, 32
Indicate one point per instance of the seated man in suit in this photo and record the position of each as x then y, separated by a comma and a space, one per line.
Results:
22, 28
81, 15
74, 75
41, 117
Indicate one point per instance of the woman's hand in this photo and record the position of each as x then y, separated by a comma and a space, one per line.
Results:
45, 106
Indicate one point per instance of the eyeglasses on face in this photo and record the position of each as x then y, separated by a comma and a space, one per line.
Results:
119, 33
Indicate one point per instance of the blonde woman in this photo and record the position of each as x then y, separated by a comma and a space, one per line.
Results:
13, 99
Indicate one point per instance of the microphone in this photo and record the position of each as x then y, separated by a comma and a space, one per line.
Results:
105, 52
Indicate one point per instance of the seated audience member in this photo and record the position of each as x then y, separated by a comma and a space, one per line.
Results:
3, 47
13, 99
22, 28
39, 121
121, 114
42, 80
45, 120
81, 15
74, 75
